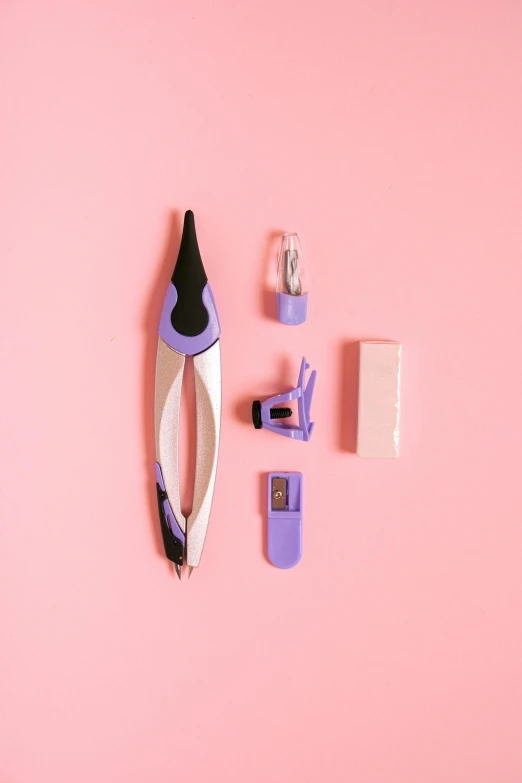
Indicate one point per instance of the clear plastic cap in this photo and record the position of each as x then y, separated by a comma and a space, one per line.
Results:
291, 273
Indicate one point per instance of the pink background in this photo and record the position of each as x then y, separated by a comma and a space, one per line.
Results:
388, 135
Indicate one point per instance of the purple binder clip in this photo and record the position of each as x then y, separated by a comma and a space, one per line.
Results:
285, 519
265, 415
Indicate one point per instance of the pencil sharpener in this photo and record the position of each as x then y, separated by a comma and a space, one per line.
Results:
285, 519
292, 286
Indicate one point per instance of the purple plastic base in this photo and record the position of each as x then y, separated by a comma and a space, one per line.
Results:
190, 346
291, 310
167, 508
285, 528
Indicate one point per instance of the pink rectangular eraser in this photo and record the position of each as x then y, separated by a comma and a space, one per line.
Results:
379, 399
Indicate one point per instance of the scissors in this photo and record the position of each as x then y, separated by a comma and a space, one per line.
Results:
189, 326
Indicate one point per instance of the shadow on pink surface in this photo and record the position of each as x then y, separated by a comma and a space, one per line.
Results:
188, 402
348, 396
263, 513
269, 272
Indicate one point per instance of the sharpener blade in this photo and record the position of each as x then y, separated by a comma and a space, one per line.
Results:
279, 493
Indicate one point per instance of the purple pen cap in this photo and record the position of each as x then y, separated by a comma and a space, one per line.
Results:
292, 287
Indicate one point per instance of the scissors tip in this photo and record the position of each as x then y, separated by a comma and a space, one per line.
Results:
178, 570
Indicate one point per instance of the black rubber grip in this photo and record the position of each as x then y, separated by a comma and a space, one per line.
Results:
173, 546
256, 414
189, 316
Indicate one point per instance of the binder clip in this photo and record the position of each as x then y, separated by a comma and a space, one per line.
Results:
265, 415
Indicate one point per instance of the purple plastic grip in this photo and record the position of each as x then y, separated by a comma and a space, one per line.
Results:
159, 477
190, 346
285, 527
167, 508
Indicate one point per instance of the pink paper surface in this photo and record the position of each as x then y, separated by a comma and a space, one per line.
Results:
388, 135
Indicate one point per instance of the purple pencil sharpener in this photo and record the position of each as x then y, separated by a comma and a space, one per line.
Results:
292, 289
285, 519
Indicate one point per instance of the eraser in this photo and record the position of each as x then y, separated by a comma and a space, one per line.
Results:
379, 399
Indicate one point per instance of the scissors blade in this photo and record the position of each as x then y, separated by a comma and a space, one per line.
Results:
207, 374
